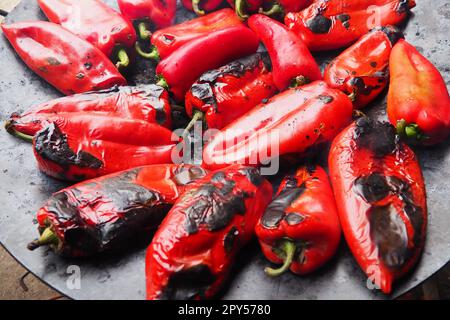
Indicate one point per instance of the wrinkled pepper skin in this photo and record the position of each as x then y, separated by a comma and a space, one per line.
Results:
149, 103
289, 123
292, 63
200, 7
223, 95
418, 100
303, 219
92, 146
109, 213
183, 67
333, 24
159, 13
70, 64
362, 70
245, 8
381, 200
194, 248
93, 21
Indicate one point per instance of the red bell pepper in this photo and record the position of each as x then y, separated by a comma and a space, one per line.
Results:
380, 195
300, 229
96, 22
195, 247
290, 122
184, 66
222, 95
146, 102
70, 64
111, 213
418, 99
334, 24
200, 7
292, 63
244, 8
92, 146
363, 69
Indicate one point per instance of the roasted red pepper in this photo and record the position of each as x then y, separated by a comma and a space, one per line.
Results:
292, 63
96, 22
194, 248
362, 70
380, 195
166, 41
290, 122
70, 64
222, 95
268, 7
92, 146
418, 99
201, 6
300, 228
184, 66
146, 102
334, 24
111, 212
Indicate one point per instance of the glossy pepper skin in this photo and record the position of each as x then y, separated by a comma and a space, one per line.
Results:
362, 70
300, 228
109, 213
418, 99
184, 66
70, 64
380, 195
334, 24
92, 146
149, 103
223, 95
244, 8
200, 7
292, 63
194, 248
289, 123
95, 22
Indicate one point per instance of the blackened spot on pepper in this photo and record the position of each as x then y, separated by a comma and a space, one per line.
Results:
88, 65
204, 92
393, 33
379, 137
345, 19
310, 168
253, 175
230, 239
326, 98
53, 61
294, 218
403, 6
373, 64
372, 188
319, 24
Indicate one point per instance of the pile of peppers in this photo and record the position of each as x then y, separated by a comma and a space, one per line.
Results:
115, 139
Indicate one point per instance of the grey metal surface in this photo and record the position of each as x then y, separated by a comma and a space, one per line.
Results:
23, 189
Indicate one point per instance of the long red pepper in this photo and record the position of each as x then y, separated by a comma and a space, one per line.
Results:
194, 249
300, 229
200, 7
334, 24
292, 63
418, 99
380, 194
96, 22
290, 122
70, 64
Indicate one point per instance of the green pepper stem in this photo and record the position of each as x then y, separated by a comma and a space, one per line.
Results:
123, 60
162, 83
14, 132
47, 237
299, 81
352, 96
240, 6
196, 7
152, 55
288, 247
410, 131
275, 9
197, 116
144, 33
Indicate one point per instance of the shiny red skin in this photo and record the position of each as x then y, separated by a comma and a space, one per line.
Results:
233, 95
174, 249
170, 39
302, 117
289, 55
349, 161
367, 60
117, 144
319, 230
418, 94
362, 16
294, 5
161, 13
93, 21
183, 67
123, 102
70, 64
206, 5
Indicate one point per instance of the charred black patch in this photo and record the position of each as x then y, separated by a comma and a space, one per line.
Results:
373, 64
188, 284
253, 175
319, 24
345, 19
204, 92
326, 99
294, 218
393, 33
230, 239
186, 175
372, 188
403, 6
378, 137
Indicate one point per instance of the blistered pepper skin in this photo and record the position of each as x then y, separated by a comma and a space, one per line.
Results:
159, 13
362, 70
381, 200
70, 64
418, 99
194, 248
108, 213
303, 215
